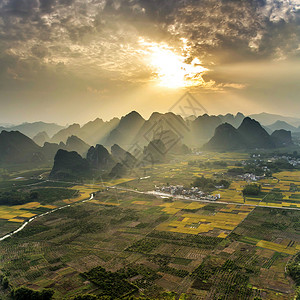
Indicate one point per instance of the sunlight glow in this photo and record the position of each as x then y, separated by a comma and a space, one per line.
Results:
172, 69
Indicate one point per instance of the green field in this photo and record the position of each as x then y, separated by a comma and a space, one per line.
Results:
124, 243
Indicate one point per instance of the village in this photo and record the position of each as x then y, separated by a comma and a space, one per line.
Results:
188, 193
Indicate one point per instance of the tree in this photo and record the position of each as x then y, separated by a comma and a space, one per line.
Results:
251, 190
24, 293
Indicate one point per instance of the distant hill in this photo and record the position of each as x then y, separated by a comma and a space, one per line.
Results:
50, 149
74, 143
118, 171
124, 157
204, 126
155, 152
126, 130
226, 137
158, 124
267, 119
255, 135
282, 138
17, 148
41, 138
69, 166
235, 121
99, 158
283, 125
32, 129
93, 132
133, 128
96, 131
63, 134
249, 135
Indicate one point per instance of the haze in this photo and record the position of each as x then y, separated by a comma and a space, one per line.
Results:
72, 60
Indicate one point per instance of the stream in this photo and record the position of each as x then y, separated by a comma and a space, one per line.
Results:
42, 215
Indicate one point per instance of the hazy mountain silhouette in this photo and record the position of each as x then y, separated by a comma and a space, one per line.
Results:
74, 143
226, 137
283, 125
203, 127
99, 158
235, 121
158, 124
124, 157
159, 135
155, 152
93, 132
41, 138
50, 149
118, 171
249, 135
126, 130
63, 134
32, 129
282, 138
255, 135
16, 148
267, 119
96, 131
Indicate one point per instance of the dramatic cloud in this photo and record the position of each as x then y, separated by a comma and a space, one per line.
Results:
97, 43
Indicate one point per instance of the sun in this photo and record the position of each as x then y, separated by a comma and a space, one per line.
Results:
171, 69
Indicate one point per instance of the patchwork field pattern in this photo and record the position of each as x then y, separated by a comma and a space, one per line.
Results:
220, 223
233, 249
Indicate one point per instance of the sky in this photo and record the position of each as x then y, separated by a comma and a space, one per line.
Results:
71, 61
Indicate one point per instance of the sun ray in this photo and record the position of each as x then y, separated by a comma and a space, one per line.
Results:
171, 68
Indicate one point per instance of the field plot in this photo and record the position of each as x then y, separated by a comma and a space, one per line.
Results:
129, 241
19, 213
49, 199
150, 245
291, 249
272, 229
180, 171
292, 176
174, 207
220, 223
233, 193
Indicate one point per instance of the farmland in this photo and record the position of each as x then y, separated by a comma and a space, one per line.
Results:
235, 248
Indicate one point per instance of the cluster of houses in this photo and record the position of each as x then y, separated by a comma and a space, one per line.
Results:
250, 177
290, 159
191, 193
295, 162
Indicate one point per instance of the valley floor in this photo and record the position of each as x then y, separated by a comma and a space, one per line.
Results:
234, 249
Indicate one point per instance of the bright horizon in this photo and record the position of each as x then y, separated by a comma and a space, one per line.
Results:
75, 61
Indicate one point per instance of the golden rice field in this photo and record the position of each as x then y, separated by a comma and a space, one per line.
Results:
84, 193
234, 193
19, 213
175, 207
288, 175
226, 219
283, 248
